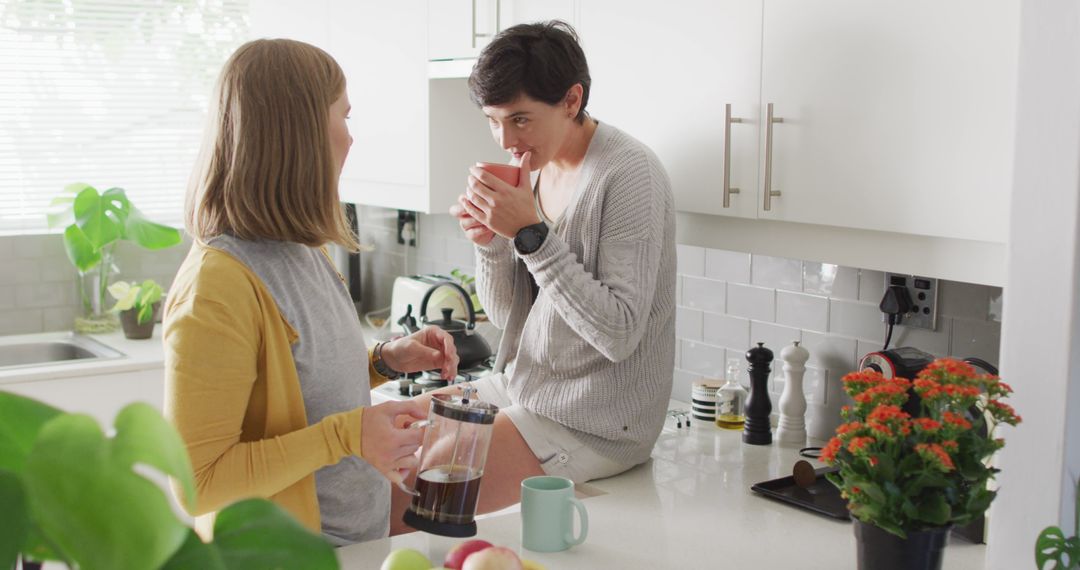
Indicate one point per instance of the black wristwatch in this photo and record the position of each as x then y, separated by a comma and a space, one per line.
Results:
530, 238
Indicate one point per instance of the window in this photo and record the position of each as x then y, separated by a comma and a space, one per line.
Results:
111, 93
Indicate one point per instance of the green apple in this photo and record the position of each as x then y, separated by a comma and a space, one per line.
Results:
405, 559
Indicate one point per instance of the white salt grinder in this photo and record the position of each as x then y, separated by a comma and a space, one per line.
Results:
792, 427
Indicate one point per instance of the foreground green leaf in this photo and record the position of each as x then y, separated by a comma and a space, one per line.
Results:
15, 524
90, 503
21, 419
143, 436
255, 534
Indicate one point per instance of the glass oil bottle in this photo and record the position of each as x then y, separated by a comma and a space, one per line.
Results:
731, 400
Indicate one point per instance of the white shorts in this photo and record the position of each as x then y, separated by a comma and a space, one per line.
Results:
557, 449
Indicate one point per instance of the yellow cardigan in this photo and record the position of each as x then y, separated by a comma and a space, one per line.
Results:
232, 391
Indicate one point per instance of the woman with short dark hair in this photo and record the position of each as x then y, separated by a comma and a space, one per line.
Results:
577, 269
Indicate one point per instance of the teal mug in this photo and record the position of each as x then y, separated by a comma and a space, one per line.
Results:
546, 514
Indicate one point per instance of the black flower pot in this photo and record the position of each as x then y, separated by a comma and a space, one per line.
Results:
129, 319
879, 549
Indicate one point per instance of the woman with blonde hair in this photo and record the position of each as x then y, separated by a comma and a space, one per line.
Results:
267, 377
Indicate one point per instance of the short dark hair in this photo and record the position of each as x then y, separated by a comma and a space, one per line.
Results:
542, 60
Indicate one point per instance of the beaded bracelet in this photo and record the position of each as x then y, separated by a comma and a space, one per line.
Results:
380, 365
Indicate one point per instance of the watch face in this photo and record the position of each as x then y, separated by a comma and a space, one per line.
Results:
528, 240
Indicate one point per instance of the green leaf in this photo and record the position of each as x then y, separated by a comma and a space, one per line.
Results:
21, 419
1051, 546
15, 524
143, 436
256, 534
100, 217
86, 498
935, 510
83, 255
125, 295
149, 234
195, 554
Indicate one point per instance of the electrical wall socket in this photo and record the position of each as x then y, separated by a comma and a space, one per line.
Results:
924, 298
406, 226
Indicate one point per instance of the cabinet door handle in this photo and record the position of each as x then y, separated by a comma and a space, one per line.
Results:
769, 192
728, 190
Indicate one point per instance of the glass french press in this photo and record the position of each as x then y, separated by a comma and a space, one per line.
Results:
451, 465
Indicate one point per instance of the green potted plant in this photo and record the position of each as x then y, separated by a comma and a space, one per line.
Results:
137, 304
70, 493
909, 479
1053, 547
94, 222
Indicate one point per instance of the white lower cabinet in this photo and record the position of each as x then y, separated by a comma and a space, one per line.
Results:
100, 396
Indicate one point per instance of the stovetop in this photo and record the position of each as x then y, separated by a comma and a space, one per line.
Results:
417, 384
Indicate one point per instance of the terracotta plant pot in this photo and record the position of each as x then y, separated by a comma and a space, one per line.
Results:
881, 550
129, 319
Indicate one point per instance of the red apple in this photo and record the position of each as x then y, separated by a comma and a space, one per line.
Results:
494, 558
457, 555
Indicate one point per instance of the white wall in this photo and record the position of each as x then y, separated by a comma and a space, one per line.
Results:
1040, 339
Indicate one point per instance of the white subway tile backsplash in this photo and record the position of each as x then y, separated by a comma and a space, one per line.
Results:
775, 337
40, 295
871, 285
688, 323
802, 311
460, 253
691, 260
678, 290
704, 294
678, 353
822, 421
834, 281
750, 302
963, 300
703, 359
21, 321
7, 249
776, 272
976, 338
856, 319
7, 297
682, 385
22, 271
829, 351
936, 342
59, 318
730, 266
724, 330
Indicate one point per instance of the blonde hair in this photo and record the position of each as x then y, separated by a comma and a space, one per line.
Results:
266, 170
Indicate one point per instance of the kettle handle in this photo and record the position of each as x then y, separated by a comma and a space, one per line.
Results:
461, 291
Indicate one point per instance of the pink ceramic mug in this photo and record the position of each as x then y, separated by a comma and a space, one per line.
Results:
506, 172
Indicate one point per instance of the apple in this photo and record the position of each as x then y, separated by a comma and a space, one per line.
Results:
405, 559
494, 558
457, 555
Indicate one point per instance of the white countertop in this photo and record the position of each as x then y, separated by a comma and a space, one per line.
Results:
137, 355
682, 509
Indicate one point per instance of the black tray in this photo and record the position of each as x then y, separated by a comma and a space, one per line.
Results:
822, 497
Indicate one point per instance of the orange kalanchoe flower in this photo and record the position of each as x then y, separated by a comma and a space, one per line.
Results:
926, 424
936, 455
857, 444
848, 428
828, 453
955, 419
886, 413
950, 445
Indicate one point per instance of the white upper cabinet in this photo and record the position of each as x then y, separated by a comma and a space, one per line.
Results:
413, 137
893, 116
897, 116
459, 29
667, 74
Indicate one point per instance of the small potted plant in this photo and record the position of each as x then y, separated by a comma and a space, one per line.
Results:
908, 479
137, 305
94, 222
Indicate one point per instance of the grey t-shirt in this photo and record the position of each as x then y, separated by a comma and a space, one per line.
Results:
331, 361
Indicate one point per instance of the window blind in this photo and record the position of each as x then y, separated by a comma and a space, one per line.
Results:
111, 93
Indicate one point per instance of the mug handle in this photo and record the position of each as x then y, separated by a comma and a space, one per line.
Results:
583, 517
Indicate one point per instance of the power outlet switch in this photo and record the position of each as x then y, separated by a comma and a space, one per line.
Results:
924, 298
406, 227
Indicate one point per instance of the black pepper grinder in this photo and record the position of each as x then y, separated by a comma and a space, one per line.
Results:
757, 430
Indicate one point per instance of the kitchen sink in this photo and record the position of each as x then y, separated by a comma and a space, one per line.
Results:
49, 349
